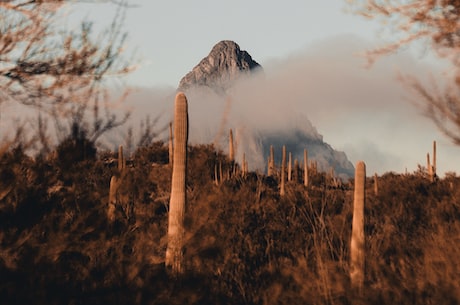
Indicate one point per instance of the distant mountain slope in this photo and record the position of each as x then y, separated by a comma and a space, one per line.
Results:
208, 88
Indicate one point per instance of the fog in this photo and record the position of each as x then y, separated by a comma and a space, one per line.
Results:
326, 90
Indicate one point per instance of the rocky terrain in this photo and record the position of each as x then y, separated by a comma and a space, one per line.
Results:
218, 79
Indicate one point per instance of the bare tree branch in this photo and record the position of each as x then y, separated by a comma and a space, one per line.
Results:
437, 22
60, 73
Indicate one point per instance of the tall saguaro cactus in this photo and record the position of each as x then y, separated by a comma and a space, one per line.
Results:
231, 149
171, 145
174, 250
283, 172
271, 162
115, 183
376, 185
289, 171
434, 160
357, 234
305, 167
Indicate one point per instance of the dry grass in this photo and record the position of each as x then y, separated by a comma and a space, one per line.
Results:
245, 243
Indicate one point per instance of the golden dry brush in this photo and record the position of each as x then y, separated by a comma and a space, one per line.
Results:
177, 203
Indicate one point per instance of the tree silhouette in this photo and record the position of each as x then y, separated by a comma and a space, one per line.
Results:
60, 73
436, 23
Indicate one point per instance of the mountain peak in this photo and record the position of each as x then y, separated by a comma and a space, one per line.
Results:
224, 64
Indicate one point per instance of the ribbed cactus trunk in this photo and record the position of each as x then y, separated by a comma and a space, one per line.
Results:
357, 234
244, 165
434, 160
376, 185
271, 162
295, 171
305, 167
283, 172
171, 145
115, 183
231, 154
231, 148
112, 198
289, 170
121, 159
429, 167
174, 250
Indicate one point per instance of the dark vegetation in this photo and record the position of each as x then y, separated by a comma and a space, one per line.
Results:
245, 244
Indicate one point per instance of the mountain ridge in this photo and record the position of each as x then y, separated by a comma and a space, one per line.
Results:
220, 68
213, 82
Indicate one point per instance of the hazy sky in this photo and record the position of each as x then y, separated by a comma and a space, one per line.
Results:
308, 49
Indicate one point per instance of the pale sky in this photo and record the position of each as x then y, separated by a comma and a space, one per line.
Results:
172, 36
310, 43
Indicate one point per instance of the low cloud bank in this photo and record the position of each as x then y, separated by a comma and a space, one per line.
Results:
327, 92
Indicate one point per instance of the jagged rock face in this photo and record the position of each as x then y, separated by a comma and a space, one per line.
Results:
224, 64
216, 74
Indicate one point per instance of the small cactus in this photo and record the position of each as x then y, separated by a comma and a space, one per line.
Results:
289, 171
434, 157
231, 149
376, 185
283, 172
115, 183
174, 250
271, 162
244, 165
305, 167
357, 234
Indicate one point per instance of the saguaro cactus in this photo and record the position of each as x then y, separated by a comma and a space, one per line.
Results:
376, 185
244, 165
174, 251
115, 183
434, 160
271, 162
305, 167
283, 172
171, 145
231, 149
357, 234
289, 171
295, 172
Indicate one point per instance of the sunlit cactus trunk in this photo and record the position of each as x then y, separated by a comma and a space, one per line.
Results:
289, 170
231, 148
376, 185
295, 172
244, 165
171, 145
271, 162
121, 159
283, 172
174, 250
231, 154
433, 171
357, 235
112, 198
115, 183
305, 167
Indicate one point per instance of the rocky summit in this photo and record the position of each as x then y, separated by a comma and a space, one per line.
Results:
211, 81
224, 64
